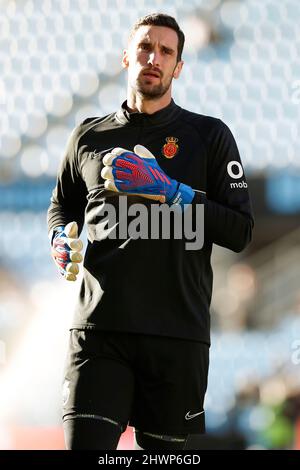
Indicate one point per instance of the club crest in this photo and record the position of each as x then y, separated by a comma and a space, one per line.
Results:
170, 149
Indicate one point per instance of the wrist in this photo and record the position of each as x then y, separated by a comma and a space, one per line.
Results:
172, 192
184, 194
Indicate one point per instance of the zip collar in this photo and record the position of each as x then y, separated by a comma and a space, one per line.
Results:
163, 116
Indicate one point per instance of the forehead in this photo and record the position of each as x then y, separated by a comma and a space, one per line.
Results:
160, 34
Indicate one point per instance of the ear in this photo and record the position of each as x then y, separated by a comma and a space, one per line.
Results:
125, 59
178, 69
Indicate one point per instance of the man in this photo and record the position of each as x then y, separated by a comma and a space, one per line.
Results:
139, 344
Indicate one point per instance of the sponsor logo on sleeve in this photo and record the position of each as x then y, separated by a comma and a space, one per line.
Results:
235, 171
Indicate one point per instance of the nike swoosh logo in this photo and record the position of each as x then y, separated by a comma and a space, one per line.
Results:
96, 154
189, 416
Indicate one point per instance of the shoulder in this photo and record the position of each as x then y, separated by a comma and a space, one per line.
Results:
214, 132
91, 123
207, 126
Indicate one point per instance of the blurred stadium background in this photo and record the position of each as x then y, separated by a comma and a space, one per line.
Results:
59, 63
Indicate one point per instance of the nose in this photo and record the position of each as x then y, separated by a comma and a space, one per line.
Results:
153, 59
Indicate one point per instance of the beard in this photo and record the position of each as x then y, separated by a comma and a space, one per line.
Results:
152, 91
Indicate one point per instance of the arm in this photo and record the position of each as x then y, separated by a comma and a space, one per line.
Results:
68, 198
66, 212
227, 207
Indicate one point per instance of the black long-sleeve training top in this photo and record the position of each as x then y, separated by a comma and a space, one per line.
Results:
152, 286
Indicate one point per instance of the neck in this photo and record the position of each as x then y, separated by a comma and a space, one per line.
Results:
137, 103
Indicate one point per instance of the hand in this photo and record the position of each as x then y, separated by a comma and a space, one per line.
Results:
139, 173
65, 251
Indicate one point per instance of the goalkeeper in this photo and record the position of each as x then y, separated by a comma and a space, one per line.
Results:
139, 342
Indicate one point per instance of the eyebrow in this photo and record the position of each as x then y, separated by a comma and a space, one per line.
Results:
146, 41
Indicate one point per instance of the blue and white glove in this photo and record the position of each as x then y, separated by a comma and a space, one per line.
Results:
65, 250
139, 173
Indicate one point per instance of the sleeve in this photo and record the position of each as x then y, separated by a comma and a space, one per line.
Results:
68, 198
228, 215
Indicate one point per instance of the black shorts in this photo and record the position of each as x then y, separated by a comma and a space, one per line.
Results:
156, 384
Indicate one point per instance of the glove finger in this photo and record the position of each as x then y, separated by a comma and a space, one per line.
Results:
76, 257
71, 230
110, 185
143, 152
127, 160
75, 244
119, 150
109, 157
70, 277
126, 163
72, 268
121, 175
106, 173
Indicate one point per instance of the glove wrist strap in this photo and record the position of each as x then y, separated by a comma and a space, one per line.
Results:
183, 195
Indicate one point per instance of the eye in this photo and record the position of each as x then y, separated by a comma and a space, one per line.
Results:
144, 46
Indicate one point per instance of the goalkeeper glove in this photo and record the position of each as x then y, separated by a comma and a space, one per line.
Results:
65, 251
139, 173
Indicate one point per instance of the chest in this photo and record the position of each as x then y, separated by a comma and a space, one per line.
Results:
180, 153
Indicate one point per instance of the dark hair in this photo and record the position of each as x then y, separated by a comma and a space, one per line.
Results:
161, 19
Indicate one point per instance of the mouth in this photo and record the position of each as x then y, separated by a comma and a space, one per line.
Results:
151, 74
